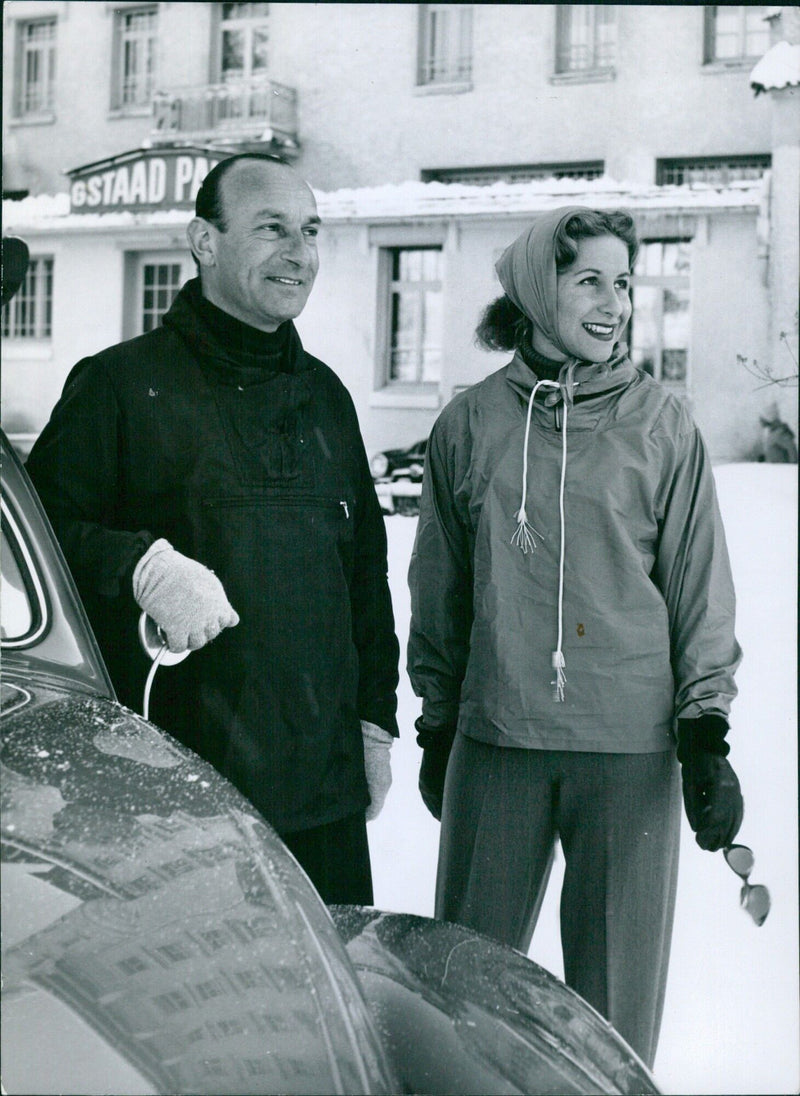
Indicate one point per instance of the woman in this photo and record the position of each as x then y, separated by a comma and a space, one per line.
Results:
572, 617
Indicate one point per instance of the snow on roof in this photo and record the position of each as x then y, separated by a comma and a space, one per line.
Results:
778, 68
51, 212
415, 199
412, 199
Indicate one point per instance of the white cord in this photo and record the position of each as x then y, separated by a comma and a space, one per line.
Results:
525, 535
149, 683
558, 654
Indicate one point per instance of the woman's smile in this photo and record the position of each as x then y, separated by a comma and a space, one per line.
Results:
602, 331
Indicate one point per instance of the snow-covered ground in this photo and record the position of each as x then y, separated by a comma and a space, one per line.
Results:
731, 1021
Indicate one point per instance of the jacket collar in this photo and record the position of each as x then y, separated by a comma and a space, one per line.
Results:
578, 380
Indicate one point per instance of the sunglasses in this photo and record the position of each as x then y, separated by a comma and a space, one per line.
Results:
754, 899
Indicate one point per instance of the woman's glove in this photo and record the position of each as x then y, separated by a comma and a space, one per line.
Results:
711, 793
377, 765
436, 744
183, 597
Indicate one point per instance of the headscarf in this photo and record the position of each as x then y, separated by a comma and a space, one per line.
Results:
528, 274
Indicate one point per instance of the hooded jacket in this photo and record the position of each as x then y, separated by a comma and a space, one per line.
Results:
261, 475
644, 600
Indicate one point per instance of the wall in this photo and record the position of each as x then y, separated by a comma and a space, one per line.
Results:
730, 316
87, 315
364, 122
85, 129
662, 102
338, 325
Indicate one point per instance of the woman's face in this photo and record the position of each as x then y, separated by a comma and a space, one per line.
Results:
593, 301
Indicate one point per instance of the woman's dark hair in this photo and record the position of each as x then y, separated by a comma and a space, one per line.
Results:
502, 325
208, 203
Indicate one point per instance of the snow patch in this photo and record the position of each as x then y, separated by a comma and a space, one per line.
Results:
778, 68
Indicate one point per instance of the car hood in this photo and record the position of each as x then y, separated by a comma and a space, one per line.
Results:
155, 927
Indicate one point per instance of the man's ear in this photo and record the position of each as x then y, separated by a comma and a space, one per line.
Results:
200, 236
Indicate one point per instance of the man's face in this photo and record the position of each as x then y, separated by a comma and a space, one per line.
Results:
266, 259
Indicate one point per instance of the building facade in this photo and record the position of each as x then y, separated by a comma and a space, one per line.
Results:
432, 134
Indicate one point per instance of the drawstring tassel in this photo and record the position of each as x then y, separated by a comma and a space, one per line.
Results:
525, 535
560, 679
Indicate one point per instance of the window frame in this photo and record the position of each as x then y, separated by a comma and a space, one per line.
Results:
136, 263
485, 176
741, 59
724, 163
396, 288
248, 24
565, 14
459, 48
49, 50
383, 241
119, 105
663, 282
36, 289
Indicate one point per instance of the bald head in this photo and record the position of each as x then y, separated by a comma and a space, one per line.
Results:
209, 203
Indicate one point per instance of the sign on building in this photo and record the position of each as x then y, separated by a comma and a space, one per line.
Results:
142, 180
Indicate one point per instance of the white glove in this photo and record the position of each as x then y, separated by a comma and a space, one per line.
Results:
377, 764
183, 597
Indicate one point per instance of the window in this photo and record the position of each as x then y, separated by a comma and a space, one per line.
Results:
660, 328
160, 285
214, 987
132, 965
172, 1001
24, 617
36, 68
719, 170
135, 32
445, 44
586, 37
176, 952
29, 315
415, 337
735, 33
519, 173
245, 41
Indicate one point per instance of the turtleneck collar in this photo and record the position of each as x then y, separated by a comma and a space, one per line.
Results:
240, 337
235, 352
544, 368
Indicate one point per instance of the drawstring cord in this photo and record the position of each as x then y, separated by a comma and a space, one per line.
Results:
525, 535
558, 654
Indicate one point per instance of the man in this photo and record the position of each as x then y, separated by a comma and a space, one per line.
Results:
213, 474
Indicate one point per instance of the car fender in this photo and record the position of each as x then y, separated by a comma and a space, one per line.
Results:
463, 1013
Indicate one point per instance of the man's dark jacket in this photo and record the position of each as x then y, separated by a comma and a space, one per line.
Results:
261, 475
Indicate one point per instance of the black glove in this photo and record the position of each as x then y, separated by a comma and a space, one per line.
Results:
711, 793
436, 744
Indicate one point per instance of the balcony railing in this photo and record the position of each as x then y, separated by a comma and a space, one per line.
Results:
241, 110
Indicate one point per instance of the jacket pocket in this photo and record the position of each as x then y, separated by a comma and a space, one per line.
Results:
339, 511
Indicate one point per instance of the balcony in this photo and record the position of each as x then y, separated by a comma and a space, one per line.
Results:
237, 113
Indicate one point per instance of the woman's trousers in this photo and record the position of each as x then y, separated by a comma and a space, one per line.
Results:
617, 817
